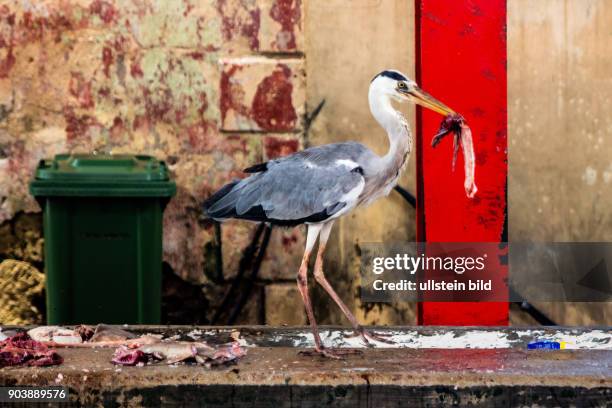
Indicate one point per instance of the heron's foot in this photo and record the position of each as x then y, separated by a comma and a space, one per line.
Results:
334, 354
367, 335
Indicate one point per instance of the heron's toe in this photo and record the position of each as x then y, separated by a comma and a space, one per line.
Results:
380, 337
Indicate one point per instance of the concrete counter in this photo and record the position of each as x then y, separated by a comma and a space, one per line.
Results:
498, 373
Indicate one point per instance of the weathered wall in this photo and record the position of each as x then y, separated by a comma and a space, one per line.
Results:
209, 86
560, 91
560, 129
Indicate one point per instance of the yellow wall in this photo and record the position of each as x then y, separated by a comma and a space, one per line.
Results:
560, 124
560, 129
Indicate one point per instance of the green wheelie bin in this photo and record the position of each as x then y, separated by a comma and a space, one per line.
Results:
102, 220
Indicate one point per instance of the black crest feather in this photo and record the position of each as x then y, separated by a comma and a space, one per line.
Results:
391, 74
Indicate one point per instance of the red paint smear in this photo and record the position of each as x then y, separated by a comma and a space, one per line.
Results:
119, 43
211, 48
104, 10
251, 31
196, 55
287, 13
140, 121
203, 104
199, 135
231, 93
188, 8
107, 60
104, 91
452, 74
157, 108
34, 28
238, 145
233, 22
76, 126
117, 130
81, 90
288, 241
278, 147
7, 63
272, 107
135, 70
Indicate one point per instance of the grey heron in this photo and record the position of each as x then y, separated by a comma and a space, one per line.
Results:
318, 185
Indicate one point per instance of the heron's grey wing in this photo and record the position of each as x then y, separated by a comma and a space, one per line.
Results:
296, 189
300, 191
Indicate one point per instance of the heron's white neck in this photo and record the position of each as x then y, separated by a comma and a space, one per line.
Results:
398, 131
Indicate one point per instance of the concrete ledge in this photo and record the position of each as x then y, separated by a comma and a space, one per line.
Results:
273, 373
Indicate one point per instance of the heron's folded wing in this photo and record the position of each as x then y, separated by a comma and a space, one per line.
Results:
294, 190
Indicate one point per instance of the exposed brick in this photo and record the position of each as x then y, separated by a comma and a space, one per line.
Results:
262, 94
284, 305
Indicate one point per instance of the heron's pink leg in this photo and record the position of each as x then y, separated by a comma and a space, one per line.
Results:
320, 278
302, 283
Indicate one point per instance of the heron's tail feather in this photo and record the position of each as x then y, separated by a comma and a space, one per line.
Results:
220, 205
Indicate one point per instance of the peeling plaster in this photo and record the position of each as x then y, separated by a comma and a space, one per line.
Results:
135, 77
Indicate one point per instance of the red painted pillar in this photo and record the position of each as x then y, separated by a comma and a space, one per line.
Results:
461, 60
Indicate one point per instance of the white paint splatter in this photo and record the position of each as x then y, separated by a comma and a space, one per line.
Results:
589, 176
451, 339
195, 334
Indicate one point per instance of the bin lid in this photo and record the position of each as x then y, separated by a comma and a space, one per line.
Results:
102, 175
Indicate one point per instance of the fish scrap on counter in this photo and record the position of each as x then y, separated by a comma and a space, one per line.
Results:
55, 334
86, 336
172, 352
21, 349
457, 125
32, 348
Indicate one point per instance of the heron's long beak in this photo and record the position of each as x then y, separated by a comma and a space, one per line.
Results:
424, 99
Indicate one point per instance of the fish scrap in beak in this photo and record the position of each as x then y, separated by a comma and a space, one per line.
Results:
453, 123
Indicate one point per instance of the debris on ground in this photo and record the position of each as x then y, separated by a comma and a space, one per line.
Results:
456, 124
105, 333
34, 347
55, 334
86, 332
86, 336
547, 344
131, 357
21, 349
172, 352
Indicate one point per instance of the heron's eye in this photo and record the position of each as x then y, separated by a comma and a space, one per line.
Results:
402, 85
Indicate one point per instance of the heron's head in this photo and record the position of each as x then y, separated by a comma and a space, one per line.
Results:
397, 86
